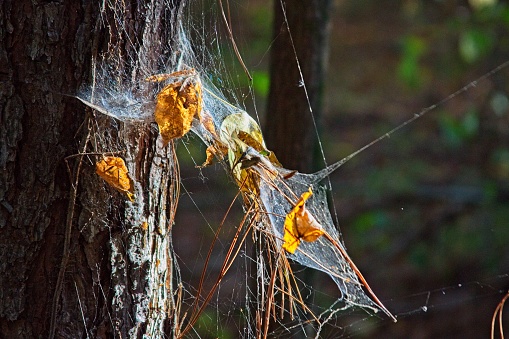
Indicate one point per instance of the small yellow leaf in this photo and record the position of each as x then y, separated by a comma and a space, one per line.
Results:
300, 225
177, 105
212, 151
114, 171
207, 122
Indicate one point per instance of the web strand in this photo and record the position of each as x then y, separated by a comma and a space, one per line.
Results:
328, 170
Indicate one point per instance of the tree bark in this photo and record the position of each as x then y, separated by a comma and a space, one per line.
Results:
289, 128
76, 258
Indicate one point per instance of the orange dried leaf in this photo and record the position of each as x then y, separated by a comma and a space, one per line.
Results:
212, 151
177, 105
300, 225
114, 171
207, 122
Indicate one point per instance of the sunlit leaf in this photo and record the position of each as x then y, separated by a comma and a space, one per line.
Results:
239, 132
177, 105
499, 103
231, 127
212, 151
482, 4
300, 225
233, 124
114, 171
252, 142
208, 123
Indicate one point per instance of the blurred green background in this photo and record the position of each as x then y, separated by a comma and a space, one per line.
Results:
425, 213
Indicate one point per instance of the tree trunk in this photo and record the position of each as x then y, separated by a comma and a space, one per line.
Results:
289, 128
77, 259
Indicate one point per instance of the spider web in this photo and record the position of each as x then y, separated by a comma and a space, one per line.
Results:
120, 92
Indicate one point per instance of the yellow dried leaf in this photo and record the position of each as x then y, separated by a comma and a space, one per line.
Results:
207, 122
300, 225
212, 151
114, 171
248, 180
235, 123
259, 147
239, 131
230, 128
177, 105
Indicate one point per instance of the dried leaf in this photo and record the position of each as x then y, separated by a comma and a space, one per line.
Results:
239, 131
207, 122
235, 123
212, 151
177, 105
114, 171
300, 225
260, 147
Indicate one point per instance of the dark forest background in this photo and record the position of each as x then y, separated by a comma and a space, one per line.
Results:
425, 213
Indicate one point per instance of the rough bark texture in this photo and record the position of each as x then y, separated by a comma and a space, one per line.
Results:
289, 129
76, 258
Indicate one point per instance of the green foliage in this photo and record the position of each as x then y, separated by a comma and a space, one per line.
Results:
365, 222
209, 325
260, 27
457, 131
481, 33
499, 103
500, 163
261, 83
475, 43
419, 255
371, 228
409, 68
190, 151
391, 178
